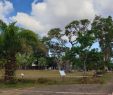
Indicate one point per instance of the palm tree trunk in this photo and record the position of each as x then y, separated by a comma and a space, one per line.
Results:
10, 68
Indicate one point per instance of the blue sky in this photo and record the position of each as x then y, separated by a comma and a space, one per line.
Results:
42, 15
22, 6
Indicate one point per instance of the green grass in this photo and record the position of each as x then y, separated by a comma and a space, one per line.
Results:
106, 77
52, 77
34, 74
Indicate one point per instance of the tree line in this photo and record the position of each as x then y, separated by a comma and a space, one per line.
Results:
22, 47
81, 35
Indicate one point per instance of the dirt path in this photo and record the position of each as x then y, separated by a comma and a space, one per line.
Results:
83, 89
88, 89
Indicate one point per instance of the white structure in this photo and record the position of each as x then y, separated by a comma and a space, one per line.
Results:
62, 73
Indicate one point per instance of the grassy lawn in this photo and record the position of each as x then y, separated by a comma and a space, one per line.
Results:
52, 77
34, 74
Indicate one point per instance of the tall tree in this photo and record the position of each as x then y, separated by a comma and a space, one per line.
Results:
55, 44
103, 31
13, 40
80, 29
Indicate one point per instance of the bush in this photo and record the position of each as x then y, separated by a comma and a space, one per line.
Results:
43, 80
46, 81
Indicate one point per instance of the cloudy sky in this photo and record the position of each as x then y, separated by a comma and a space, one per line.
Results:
42, 15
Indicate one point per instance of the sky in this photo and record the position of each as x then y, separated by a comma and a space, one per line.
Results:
42, 15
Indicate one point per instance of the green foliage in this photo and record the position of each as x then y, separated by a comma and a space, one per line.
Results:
54, 33
86, 34
50, 61
81, 44
15, 40
94, 60
25, 59
77, 28
54, 42
42, 61
24, 46
55, 45
103, 31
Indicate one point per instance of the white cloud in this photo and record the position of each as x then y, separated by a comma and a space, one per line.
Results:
103, 7
55, 13
5, 8
58, 13
28, 22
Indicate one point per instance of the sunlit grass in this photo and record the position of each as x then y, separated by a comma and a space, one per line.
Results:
34, 74
52, 77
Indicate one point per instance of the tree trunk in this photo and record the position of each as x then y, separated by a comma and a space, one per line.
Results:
106, 58
67, 66
10, 68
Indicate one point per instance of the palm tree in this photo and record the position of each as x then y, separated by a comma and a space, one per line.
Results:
15, 40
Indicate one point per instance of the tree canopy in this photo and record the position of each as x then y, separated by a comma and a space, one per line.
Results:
13, 40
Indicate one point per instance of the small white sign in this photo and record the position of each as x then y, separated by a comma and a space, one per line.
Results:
22, 75
62, 73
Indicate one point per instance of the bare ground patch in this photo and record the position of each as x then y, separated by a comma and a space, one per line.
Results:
89, 89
